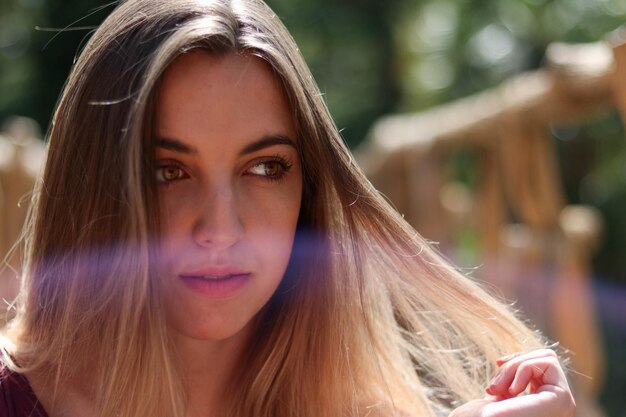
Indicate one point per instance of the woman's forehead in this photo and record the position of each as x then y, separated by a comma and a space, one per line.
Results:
230, 66
233, 95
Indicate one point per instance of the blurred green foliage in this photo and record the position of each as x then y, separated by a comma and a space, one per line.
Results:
39, 40
348, 45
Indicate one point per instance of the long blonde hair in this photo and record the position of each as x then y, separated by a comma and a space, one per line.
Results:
368, 318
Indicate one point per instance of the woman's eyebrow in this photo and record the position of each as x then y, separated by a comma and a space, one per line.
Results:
175, 145
266, 142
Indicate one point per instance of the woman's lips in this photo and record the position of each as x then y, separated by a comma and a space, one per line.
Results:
210, 277
218, 282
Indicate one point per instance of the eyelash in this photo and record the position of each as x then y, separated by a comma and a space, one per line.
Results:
284, 166
169, 164
283, 163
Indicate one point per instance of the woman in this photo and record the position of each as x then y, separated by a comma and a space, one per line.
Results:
203, 244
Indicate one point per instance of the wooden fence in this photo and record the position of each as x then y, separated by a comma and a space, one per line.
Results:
535, 248
21, 158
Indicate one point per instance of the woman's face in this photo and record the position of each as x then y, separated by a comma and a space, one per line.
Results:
230, 186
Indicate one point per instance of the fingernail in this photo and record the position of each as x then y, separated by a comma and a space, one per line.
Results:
496, 380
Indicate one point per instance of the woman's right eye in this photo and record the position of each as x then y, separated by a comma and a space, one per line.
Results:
169, 172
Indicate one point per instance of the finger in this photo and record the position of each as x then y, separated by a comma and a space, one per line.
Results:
539, 353
507, 358
497, 396
538, 373
532, 370
500, 384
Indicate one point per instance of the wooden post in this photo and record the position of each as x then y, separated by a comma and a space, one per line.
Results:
618, 42
7, 157
574, 320
8, 285
21, 158
515, 244
424, 182
530, 173
457, 203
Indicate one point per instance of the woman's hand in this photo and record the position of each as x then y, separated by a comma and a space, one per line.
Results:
548, 392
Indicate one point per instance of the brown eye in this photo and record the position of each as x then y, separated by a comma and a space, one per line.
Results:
169, 173
271, 170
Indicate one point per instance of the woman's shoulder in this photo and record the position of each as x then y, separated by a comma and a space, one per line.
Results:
17, 398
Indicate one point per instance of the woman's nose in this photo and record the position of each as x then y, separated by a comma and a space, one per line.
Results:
218, 225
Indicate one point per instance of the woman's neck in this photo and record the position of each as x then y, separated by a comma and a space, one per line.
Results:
208, 368
72, 398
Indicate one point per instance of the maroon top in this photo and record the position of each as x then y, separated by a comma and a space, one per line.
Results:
17, 398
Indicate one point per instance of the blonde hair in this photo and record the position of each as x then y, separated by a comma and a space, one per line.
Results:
368, 318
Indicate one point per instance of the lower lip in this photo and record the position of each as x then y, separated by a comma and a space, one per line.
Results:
217, 288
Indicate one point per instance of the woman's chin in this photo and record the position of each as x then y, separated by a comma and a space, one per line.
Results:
214, 330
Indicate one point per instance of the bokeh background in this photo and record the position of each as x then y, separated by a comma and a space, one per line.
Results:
373, 58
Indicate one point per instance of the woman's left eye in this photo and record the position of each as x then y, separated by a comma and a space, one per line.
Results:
169, 173
273, 169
